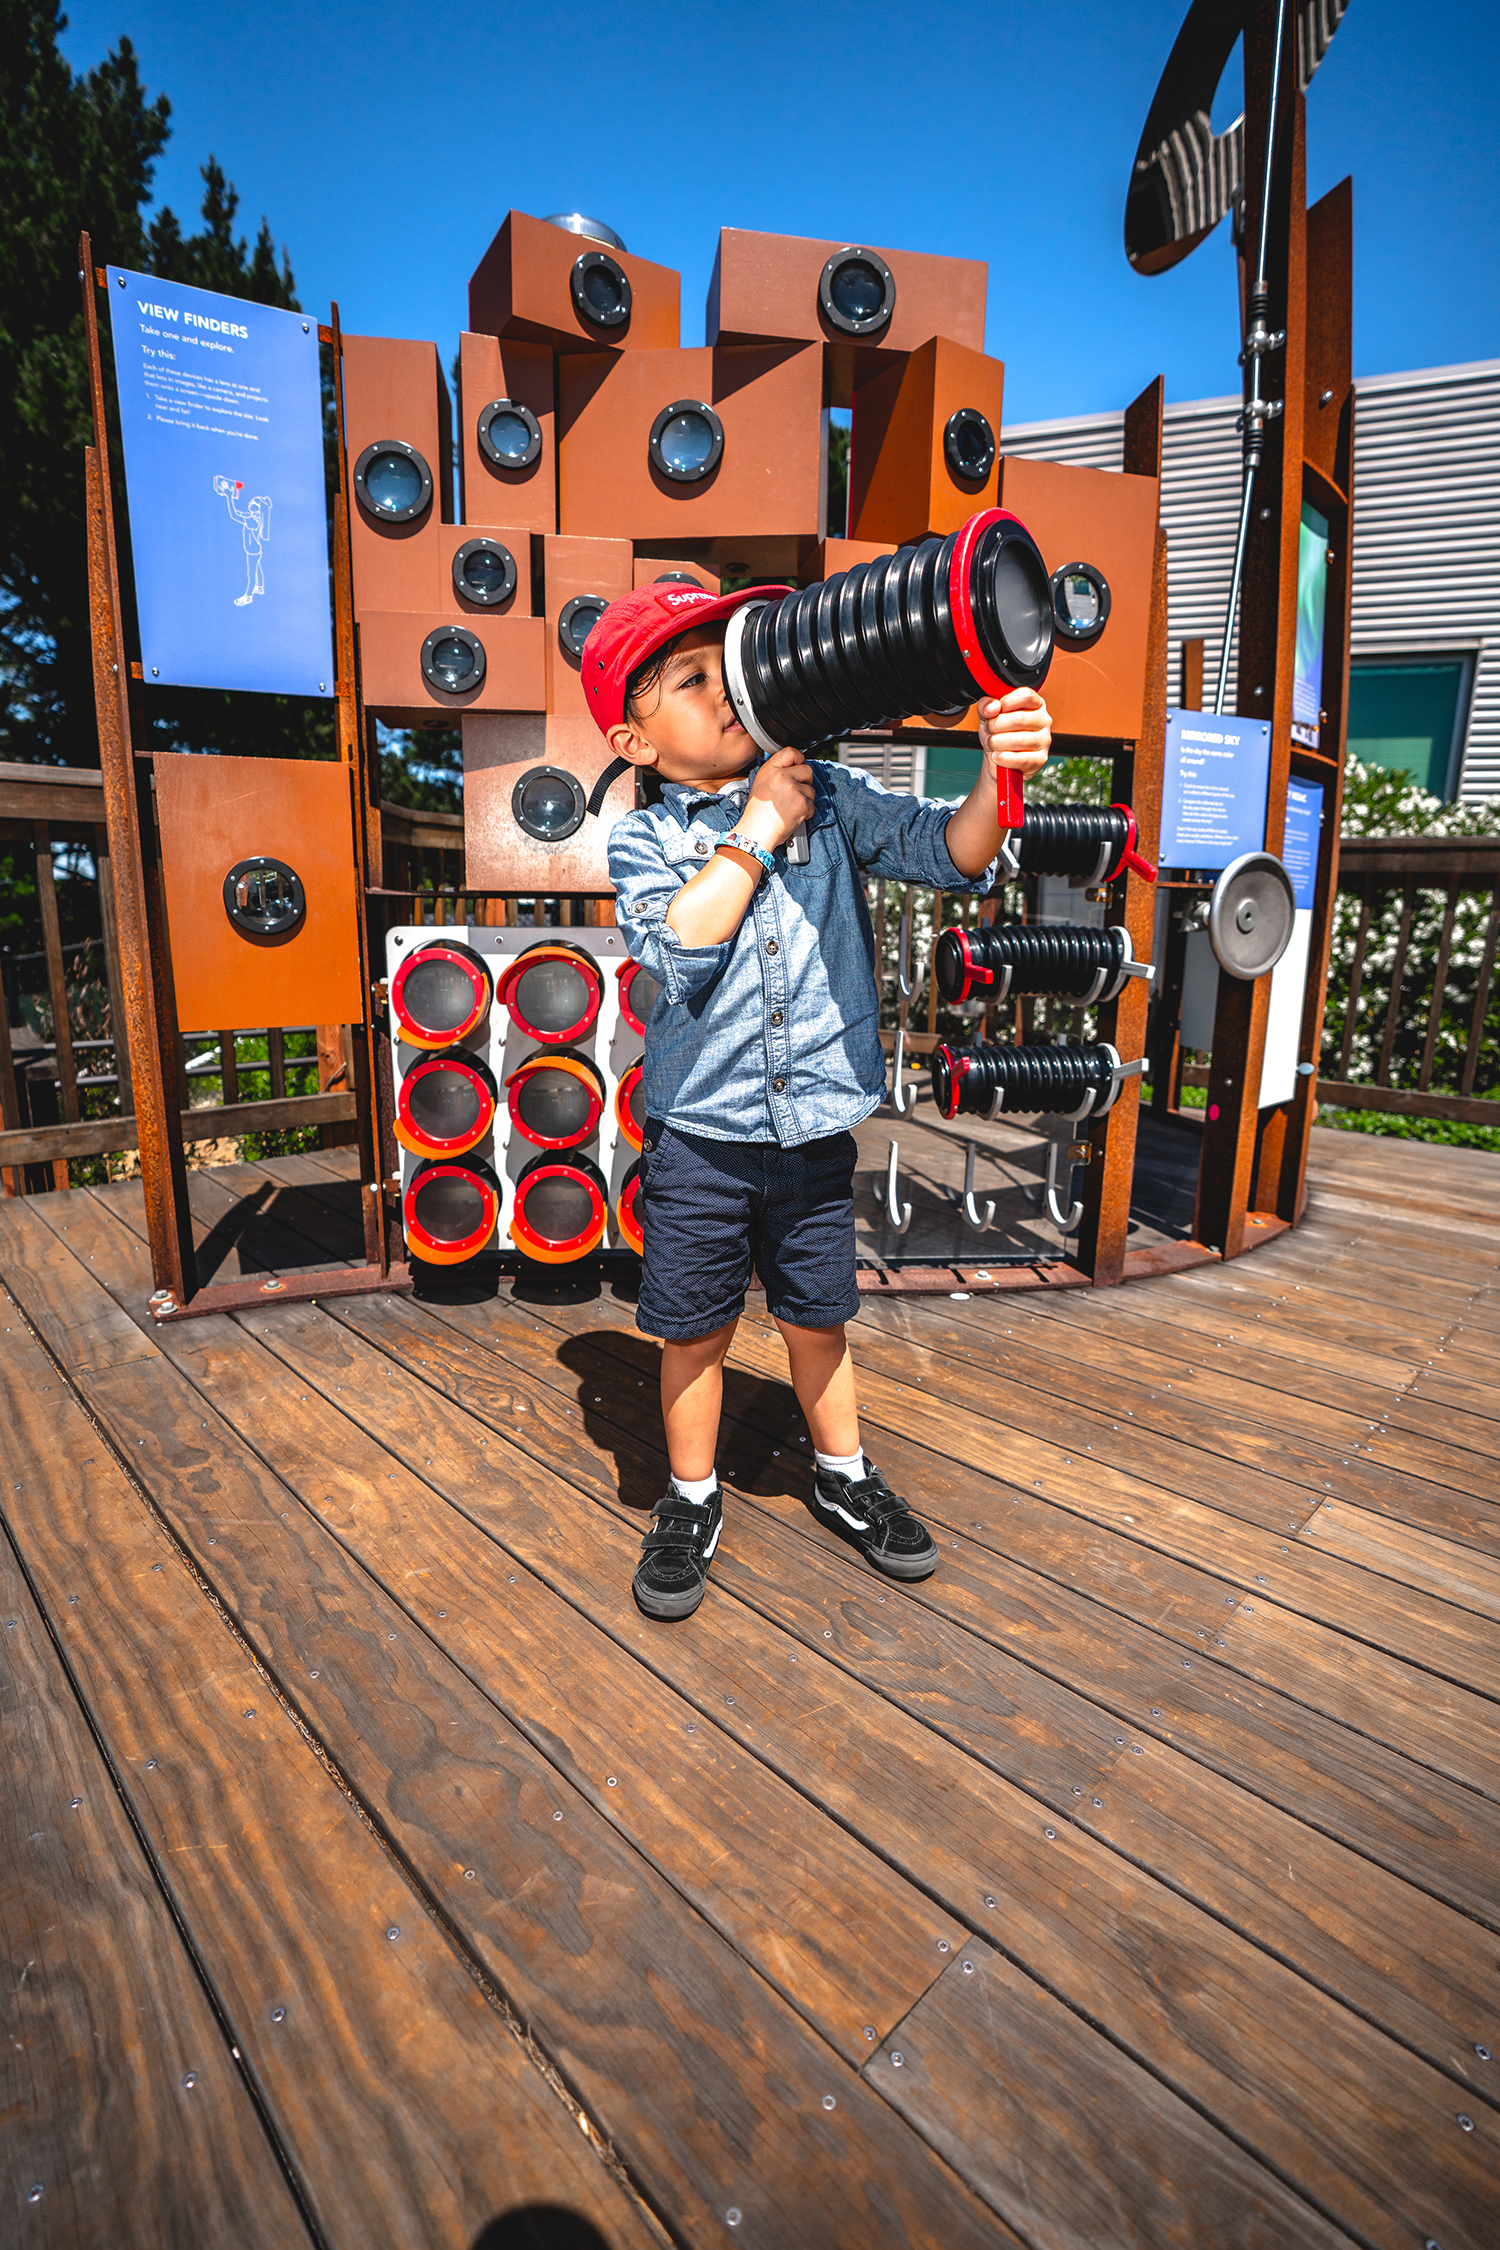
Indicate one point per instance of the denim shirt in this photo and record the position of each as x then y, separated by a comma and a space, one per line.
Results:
773, 1035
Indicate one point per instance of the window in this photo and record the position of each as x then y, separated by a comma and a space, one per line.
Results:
952, 768
1410, 714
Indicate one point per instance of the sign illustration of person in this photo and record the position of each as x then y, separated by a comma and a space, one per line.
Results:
254, 519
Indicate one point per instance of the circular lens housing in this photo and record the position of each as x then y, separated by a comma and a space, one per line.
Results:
560, 1208
1080, 604
484, 572
548, 804
592, 230
630, 1104
439, 994
553, 992
264, 898
676, 578
687, 441
450, 1208
557, 1099
453, 660
601, 290
857, 292
446, 1103
969, 445
577, 620
392, 482
510, 436
628, 1212
639, 992
1000, 602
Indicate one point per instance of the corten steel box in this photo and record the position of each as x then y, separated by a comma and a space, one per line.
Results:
765, 289
571, 567
513, 536
491, 367
498, 753
214, 812
522, 287
390, 660
648, 568
1104, 517
842, 554
395, 389
901, 484
767, 482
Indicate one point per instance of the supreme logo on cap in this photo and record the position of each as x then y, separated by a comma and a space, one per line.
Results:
682, 594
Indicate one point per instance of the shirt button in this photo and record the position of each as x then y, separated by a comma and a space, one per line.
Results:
701, 850
776, 1018
771, 946
778, 1085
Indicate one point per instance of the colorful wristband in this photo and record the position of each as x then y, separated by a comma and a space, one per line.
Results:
736, 842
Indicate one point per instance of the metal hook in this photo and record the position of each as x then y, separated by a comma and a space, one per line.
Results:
972, 1216
903, 1098
906, 985
885, 1191
1065, 1222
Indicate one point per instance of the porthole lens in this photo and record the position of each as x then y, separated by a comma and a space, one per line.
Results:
1080, 604
577, 620
969, 445
392, 481
509, 434
548, 804
453, 660
601, 290
857, 291
484, 571
687, 441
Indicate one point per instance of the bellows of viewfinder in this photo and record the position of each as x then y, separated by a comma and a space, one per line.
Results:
984, 1081
930, 628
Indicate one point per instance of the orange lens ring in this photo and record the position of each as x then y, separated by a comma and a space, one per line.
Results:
625, 1213
623, 1092
567, 1257
575, 1245
582, 1071
626, 973
534, 955
450, 1253
411, 1136
473, 968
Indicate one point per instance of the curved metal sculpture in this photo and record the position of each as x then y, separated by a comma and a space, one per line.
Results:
1186, 176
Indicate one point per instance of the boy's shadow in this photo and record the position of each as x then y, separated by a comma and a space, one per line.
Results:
540, 2226
619, 1396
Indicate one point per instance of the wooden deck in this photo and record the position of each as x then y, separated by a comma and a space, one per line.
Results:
374, 1875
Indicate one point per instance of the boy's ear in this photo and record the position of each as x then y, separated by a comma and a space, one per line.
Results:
633, 747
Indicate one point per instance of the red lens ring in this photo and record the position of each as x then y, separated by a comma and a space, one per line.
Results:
625, 1211
626, 975
411, 1135
1129, 856
416, 1034
591, 1076
470, 1244
957, 1065
623, 1117
961, 599
531, 959
577, 1245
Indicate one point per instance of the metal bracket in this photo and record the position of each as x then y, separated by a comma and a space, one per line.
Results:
1079, 1152
886, 1190
903, 1098
906, 984
980, 1222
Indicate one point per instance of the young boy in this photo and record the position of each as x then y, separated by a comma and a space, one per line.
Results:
763, 1049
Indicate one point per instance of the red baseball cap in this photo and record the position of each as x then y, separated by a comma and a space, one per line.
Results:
636, 626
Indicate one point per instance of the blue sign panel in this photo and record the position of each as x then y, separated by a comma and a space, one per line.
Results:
1299, 851
222, 416
1213, 804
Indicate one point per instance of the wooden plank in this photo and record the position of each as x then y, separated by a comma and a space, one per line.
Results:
1124, 2164
126, 2117
409, 2110
1411, 1557
43, 1144
717, 2084
70, 795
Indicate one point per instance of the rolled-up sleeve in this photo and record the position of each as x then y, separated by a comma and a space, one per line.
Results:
903, 839
646, 883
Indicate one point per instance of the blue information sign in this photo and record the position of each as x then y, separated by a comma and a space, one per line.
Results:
1213, 804
222, 416
1299, 851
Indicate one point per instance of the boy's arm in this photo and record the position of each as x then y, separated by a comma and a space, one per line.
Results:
916, 840
711, 906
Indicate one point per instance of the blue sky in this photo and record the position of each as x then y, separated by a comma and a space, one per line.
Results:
386, 143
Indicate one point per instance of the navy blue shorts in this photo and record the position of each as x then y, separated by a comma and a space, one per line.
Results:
712, 1209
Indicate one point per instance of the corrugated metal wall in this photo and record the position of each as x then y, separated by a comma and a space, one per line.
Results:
1426, 525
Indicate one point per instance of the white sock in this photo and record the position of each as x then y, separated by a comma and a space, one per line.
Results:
843, 1464
696, 1489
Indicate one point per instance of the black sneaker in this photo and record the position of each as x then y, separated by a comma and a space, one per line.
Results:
865, 1511
673, 1570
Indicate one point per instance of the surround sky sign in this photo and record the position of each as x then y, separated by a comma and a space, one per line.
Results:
222, 418
1214, 786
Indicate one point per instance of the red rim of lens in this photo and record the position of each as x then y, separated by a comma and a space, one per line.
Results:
411, 1135
623, 1092
961, 599
534, 1245
627, 1214
626, 975
576, 1066
463, 957
576, 958
954, 1069
973, 974
1129, 856
478, 1174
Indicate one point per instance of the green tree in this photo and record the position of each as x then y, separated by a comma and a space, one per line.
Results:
79, 151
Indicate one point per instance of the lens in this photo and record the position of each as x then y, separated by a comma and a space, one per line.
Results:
554, 1105
444, 1104
686, 442
438, 996
452, 661
509, 435
638, 1105
559, 1209
546, 804
578, 619
393, 483
1080, 601
554, 996
969, 444
601, 289
1021, 596
449, 1209
486, 574
857, 290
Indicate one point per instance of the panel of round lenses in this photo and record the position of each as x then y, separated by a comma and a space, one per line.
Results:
444, 1103
555, 1105
437, 995
558, 1209
554, 996
448, 1207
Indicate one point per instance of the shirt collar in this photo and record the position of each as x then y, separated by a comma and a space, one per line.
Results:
685, 799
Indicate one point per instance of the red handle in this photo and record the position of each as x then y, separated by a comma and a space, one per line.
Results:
1011, 808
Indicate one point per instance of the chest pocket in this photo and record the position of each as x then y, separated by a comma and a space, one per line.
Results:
685, 850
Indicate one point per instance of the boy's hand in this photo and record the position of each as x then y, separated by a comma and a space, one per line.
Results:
1016, 732
780, 796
